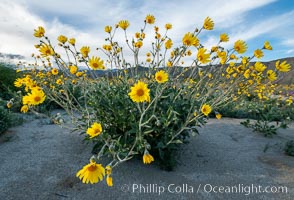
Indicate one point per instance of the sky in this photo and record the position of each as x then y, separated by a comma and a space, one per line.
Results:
250, 20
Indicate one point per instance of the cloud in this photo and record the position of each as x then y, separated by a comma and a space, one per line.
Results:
85, 20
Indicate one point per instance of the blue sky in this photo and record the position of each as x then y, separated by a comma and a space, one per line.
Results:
250, 20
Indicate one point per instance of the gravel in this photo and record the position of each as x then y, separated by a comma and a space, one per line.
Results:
39, 161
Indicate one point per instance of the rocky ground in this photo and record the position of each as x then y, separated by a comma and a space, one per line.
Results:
226, 161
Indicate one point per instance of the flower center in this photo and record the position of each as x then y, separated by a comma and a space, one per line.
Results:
48, 51
37, 98
140, 92
92, 168
95, 65
97, 131
159, 78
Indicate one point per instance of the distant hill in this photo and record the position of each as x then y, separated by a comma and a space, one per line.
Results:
288, 78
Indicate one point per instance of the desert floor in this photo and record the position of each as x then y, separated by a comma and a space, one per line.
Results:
39, 160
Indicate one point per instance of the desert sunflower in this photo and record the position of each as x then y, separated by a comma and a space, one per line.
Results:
62, 39
72, 41
39, 32
147, 158
85, 50
168, 44
259, 67
283, 67
108, 170
218, 116
96, 63
161, 76
91, 172
123, 24
223, 37
150, 19
258, 53
206, 109
46, 50
271, 75
240, 46
107, 29
24, 109
208, 23
140, 92
36, 97
168, 26
18, 82
54, 71
73, 69
190, 39
94, 130
202, 56
267, 46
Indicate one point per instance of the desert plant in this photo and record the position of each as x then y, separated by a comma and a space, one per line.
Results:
8, 119
139, 108
289, 148
7, 77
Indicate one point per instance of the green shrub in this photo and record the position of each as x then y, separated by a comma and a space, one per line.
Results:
289, 148
8, 119
7, 77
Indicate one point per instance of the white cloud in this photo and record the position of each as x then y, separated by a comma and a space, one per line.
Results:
85, 20
288, 42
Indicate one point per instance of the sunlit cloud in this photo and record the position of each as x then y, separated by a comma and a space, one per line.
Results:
85, 20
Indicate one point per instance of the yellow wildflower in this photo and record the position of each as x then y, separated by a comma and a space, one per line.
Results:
223, 37
62, 39
283, 67
161, 76
85, 50
271, 75
150, 19
218, 116
168, 26
208, 24
240, 46
24, 109
46, 50
72, 41
267, 46
94, 130
206, 109
168, 44
140, 92
259, 67
92, 173
202, 56
73, 69
138, 44
39, 32
147, 158
189, 39
36, 97
123, 24
107, 29
258, 53
96, 63
54, 71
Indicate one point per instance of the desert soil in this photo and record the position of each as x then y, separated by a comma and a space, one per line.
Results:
39, 161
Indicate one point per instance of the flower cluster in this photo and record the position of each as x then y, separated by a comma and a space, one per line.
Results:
148, 107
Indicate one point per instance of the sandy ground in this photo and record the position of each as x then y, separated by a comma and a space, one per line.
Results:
39, 161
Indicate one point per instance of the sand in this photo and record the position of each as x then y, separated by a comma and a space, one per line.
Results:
39, 160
